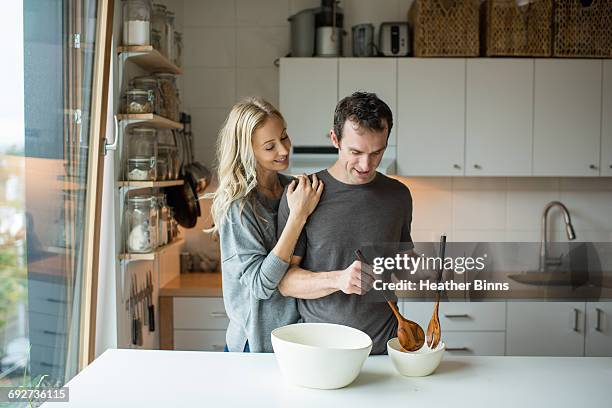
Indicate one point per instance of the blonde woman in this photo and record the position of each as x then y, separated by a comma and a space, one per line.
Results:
253, 147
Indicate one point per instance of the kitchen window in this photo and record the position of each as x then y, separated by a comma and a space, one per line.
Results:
50, 163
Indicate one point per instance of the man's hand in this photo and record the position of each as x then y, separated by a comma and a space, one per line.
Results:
357, 279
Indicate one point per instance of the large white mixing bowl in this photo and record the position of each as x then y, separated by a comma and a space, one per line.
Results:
320, 355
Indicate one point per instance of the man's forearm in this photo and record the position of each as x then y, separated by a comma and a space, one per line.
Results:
304, 284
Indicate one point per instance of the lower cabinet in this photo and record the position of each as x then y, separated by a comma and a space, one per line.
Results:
468, 328
598, 339
545, 329
199, 323
206, 340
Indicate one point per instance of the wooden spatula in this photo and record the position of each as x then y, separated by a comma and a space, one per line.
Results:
434, 333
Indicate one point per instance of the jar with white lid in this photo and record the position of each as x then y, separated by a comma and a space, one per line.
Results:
136, 22
141, 223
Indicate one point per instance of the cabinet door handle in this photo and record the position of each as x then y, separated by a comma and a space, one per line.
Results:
456, 166
575, 328
56, 300
477, 166
218, 315
457, 348
599, 313
592, 167
457, 316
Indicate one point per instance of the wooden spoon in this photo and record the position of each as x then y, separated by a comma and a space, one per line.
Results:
433, 329
410, 335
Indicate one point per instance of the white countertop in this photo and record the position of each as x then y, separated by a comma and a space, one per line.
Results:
159, 378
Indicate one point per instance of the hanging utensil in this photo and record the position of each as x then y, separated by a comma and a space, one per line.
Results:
199, 174
409, 333
133, 317
182, 198
145, 308
434, 333
150, 302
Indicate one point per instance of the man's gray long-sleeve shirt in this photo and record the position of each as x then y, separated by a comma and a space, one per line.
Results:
251, 273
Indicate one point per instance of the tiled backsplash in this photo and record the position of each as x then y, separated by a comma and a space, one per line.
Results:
508, 209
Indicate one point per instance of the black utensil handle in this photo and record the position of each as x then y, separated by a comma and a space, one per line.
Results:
151, 318
135, 332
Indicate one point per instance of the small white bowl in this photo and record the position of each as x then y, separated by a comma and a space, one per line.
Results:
415, 363
320, 355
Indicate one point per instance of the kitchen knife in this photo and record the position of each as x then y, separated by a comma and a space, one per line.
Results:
150, 302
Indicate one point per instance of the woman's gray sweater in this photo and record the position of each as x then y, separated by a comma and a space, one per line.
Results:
251, 273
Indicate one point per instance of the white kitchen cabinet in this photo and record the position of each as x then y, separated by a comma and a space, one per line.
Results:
431, 116
485, 343
499, 117
200, 313
567, 117
598, 340
468, 328
204, 340
545, 328
378, 75
606, 130
307, 96
459, 316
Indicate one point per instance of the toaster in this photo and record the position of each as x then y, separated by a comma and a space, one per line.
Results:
394, 39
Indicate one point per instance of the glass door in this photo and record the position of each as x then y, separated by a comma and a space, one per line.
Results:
50, 163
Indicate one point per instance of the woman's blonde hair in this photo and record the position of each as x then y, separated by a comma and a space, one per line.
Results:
236, 170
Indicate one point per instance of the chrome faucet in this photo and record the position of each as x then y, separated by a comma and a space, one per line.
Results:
545, 260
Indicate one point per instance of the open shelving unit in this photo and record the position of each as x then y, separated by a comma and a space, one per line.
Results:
152, 61
151, 256
149, 59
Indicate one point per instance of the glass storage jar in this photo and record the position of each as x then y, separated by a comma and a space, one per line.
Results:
156, 39
158, 22
141, 222
141, 169
170, 35
136, 22
169, 153
139, 101
142, 142
151, 85
170, 100
178, 49
162, 168
164, 223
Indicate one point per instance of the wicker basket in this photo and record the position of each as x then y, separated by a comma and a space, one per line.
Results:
445, 28
583, 31
519, 31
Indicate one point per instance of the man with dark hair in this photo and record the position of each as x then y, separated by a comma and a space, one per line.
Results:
358, 207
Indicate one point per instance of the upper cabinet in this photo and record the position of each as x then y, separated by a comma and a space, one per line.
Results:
567, 117
308, 94
376, 75
431, 116
606, 130
466, 117
499, 117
